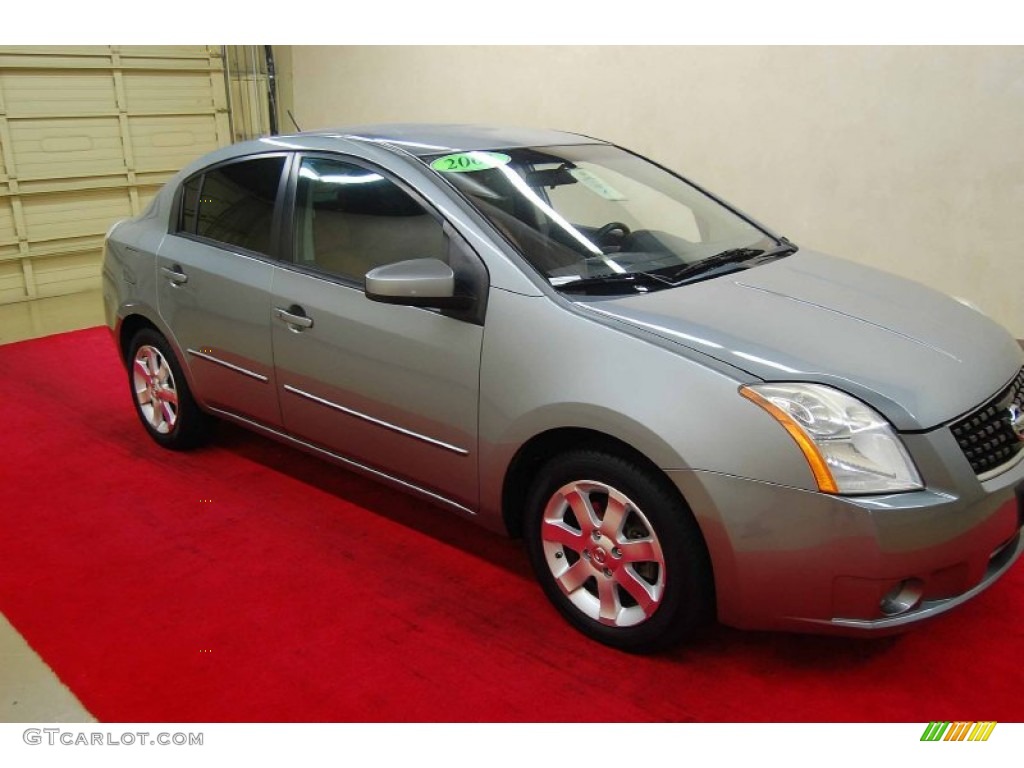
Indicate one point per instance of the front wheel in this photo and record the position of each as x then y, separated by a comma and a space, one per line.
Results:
617, 552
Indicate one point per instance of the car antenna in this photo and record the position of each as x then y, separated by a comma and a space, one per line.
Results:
290, 115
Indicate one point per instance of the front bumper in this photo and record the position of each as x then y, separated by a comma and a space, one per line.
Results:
791, 559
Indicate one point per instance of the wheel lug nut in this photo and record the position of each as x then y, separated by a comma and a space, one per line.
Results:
616, 552
607, 572
596, 535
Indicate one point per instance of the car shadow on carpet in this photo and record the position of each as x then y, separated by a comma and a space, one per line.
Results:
405, 509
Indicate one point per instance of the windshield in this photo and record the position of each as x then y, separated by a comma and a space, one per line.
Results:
597, 217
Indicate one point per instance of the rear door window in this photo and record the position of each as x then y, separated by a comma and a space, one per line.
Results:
236, 204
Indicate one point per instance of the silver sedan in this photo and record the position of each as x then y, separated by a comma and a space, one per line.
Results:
683, 414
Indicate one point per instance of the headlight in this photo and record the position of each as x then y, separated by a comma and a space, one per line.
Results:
848, 446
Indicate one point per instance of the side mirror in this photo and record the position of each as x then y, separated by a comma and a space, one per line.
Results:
415, 283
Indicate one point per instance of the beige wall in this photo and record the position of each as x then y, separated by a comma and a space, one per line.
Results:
910, 159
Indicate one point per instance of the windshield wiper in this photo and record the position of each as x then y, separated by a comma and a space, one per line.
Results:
642, 280
636, 279
731, 256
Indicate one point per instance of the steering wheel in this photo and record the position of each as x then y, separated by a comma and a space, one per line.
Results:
612, 226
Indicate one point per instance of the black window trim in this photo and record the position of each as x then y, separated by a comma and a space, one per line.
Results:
288, 232
287, 244
174, 225
453, 235
179, 205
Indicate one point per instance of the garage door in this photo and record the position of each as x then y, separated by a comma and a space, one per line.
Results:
88, 135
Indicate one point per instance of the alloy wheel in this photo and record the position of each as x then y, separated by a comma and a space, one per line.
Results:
155, 390
603, 553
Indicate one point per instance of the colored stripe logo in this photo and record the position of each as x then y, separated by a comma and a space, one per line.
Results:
946, 731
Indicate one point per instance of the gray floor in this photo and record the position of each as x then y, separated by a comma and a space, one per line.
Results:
29, 691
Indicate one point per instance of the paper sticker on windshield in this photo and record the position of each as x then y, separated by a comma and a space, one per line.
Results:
596, 184
464, 162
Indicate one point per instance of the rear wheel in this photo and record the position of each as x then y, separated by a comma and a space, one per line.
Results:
617, 552
161, 395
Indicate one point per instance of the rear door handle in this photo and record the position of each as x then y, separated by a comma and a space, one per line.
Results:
294, 316
174, 274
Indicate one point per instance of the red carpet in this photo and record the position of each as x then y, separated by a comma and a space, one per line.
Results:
250, 582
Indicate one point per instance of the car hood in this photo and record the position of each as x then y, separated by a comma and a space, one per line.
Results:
918, 356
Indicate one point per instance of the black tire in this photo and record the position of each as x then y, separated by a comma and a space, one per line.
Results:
160, 393
641, 585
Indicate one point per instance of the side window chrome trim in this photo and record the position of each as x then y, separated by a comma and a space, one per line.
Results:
234, 250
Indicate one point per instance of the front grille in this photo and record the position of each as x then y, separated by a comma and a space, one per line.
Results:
986, 436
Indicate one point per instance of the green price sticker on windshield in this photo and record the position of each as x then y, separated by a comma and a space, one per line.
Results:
465, 162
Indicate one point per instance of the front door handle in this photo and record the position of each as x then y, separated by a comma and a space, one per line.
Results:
294, 316
174, 274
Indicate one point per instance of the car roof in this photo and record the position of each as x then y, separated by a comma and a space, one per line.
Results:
432, 138
417, 139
